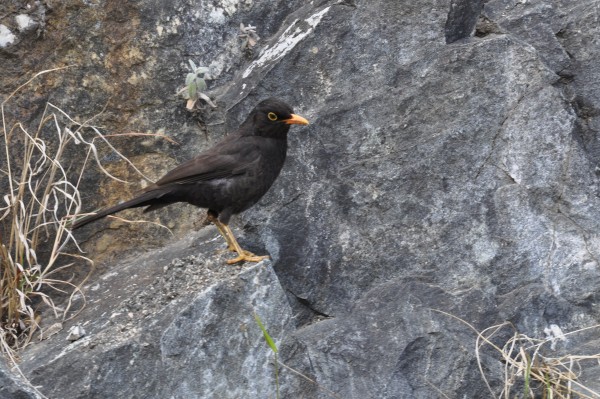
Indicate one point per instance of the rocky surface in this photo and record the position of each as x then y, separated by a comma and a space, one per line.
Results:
171, 323
450, 171
14, 387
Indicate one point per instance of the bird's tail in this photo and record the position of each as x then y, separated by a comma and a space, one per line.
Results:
143, 200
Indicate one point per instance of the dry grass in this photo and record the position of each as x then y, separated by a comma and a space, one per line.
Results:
528, 370
40, 190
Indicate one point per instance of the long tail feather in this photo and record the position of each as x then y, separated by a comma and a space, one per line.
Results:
145, 199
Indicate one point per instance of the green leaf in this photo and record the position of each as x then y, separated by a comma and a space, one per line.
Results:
192, 90
268, 338
200, 84
192, 65
189, 78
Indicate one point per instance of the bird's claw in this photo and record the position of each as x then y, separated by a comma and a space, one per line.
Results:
247, 253
247, 256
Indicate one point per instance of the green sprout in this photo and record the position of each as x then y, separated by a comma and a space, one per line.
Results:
273, 347
195, 85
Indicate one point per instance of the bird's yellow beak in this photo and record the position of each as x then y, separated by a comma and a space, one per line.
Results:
296, 120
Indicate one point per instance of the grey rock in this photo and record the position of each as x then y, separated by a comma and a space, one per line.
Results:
160, 327
13, 386
462, 19
538, 23
75, 333
450, 172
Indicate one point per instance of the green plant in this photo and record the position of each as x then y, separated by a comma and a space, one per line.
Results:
273, 347
275, 351
195, 85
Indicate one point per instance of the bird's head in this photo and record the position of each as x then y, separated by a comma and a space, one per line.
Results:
273, 118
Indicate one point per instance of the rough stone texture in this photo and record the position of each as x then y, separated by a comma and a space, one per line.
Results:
160, 326
444, 169
462, 19
13, 387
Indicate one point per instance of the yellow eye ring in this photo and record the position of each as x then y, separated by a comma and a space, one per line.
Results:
272, 116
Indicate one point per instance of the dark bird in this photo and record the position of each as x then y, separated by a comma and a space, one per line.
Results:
226, 179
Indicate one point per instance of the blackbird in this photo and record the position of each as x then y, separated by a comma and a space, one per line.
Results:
227, 178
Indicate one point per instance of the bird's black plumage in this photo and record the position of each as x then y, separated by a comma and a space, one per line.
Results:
227, 178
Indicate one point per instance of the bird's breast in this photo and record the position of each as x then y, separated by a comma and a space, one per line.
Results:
259, 176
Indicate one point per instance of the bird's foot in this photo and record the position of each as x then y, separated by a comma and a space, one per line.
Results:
247, 253
247, 256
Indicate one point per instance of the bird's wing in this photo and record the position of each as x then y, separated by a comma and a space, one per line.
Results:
228, 158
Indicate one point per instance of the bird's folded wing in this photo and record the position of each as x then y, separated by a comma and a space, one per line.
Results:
232, 158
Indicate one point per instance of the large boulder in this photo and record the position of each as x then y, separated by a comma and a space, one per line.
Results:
171, 323
447, 183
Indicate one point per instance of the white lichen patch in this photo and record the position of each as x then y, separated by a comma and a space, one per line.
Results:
231, 6
554, 334
314, 19
286, 42
6, 36
217, 16
24, 22
225, 9
170, 27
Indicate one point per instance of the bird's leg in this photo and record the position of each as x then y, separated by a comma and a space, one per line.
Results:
243, 255
214, 219
232, 243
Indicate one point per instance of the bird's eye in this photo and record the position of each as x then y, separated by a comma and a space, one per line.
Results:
272, 116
